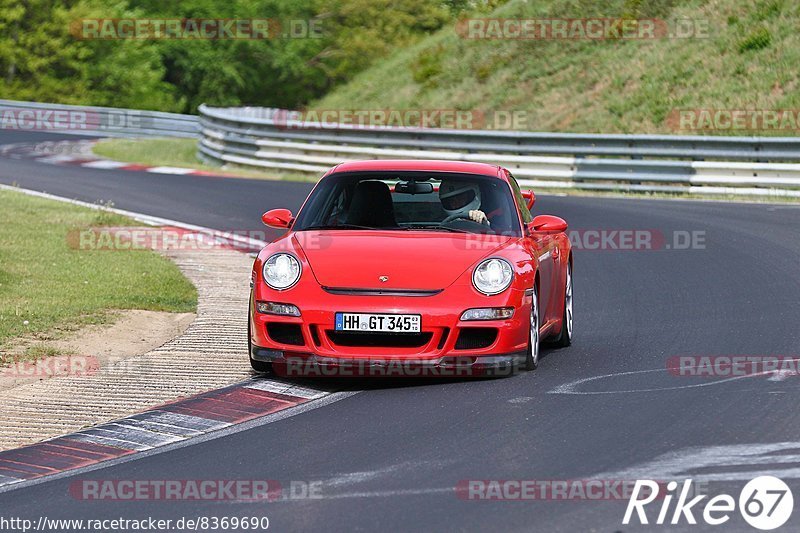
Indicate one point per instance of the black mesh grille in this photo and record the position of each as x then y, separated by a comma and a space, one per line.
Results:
475, 338
386, 340
285, 333
443, 339
315, 335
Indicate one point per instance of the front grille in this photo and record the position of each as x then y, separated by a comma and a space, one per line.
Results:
384, 340
348, 291
475, 338
285, 333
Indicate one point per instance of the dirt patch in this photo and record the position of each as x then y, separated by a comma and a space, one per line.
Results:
130, 334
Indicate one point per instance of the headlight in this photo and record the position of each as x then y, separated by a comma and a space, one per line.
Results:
281, 271
492, 276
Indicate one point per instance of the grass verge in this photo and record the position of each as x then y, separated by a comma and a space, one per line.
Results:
178, 153
47, 288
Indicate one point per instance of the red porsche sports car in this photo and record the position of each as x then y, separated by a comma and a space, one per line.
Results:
417, 264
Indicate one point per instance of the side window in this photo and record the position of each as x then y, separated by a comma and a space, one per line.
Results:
522, 204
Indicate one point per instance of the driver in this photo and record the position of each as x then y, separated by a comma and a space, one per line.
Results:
462, 199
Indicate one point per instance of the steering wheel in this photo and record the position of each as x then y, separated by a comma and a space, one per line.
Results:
451, 218
461, 216
465, 223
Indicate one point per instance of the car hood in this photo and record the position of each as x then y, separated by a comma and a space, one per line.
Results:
410, 259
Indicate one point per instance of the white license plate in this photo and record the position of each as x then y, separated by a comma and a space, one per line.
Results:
378, 323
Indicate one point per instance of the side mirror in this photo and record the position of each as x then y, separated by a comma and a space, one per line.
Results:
278, 218
530, 197
548, 224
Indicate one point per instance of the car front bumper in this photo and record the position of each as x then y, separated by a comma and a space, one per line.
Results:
446, 345
293, 364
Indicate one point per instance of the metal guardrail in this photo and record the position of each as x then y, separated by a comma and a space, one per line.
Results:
275, 139
92, 120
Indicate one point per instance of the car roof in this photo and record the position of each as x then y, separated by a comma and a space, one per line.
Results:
423, 165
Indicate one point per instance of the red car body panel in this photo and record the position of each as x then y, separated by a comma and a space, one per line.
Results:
402, 257
337, 261
379, 165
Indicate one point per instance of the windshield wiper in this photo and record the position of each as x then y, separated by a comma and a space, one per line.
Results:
438, 228
339, 226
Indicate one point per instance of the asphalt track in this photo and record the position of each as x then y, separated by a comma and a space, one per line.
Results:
390, 457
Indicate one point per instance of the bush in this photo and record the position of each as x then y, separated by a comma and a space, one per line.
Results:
427, 66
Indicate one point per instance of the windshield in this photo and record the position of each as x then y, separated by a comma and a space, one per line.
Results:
454, 202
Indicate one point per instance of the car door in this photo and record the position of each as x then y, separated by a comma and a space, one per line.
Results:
542, 246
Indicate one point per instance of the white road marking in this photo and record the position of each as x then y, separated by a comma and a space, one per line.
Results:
170, 170
681, 464
365, 494
353, 478
179, 420
108, 441
571, 387
8, 480
782, 375
289, 389
521, 399
348, 479
104, 163
57, 159
131, 432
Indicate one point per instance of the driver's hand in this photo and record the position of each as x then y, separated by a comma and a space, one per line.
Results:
476, 215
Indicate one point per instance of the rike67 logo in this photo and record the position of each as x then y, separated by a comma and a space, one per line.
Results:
766, 503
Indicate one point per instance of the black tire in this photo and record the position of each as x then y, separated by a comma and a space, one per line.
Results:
534, 344
262, 367
564, 338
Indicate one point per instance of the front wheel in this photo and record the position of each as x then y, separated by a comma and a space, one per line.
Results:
565, 337
532, 357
